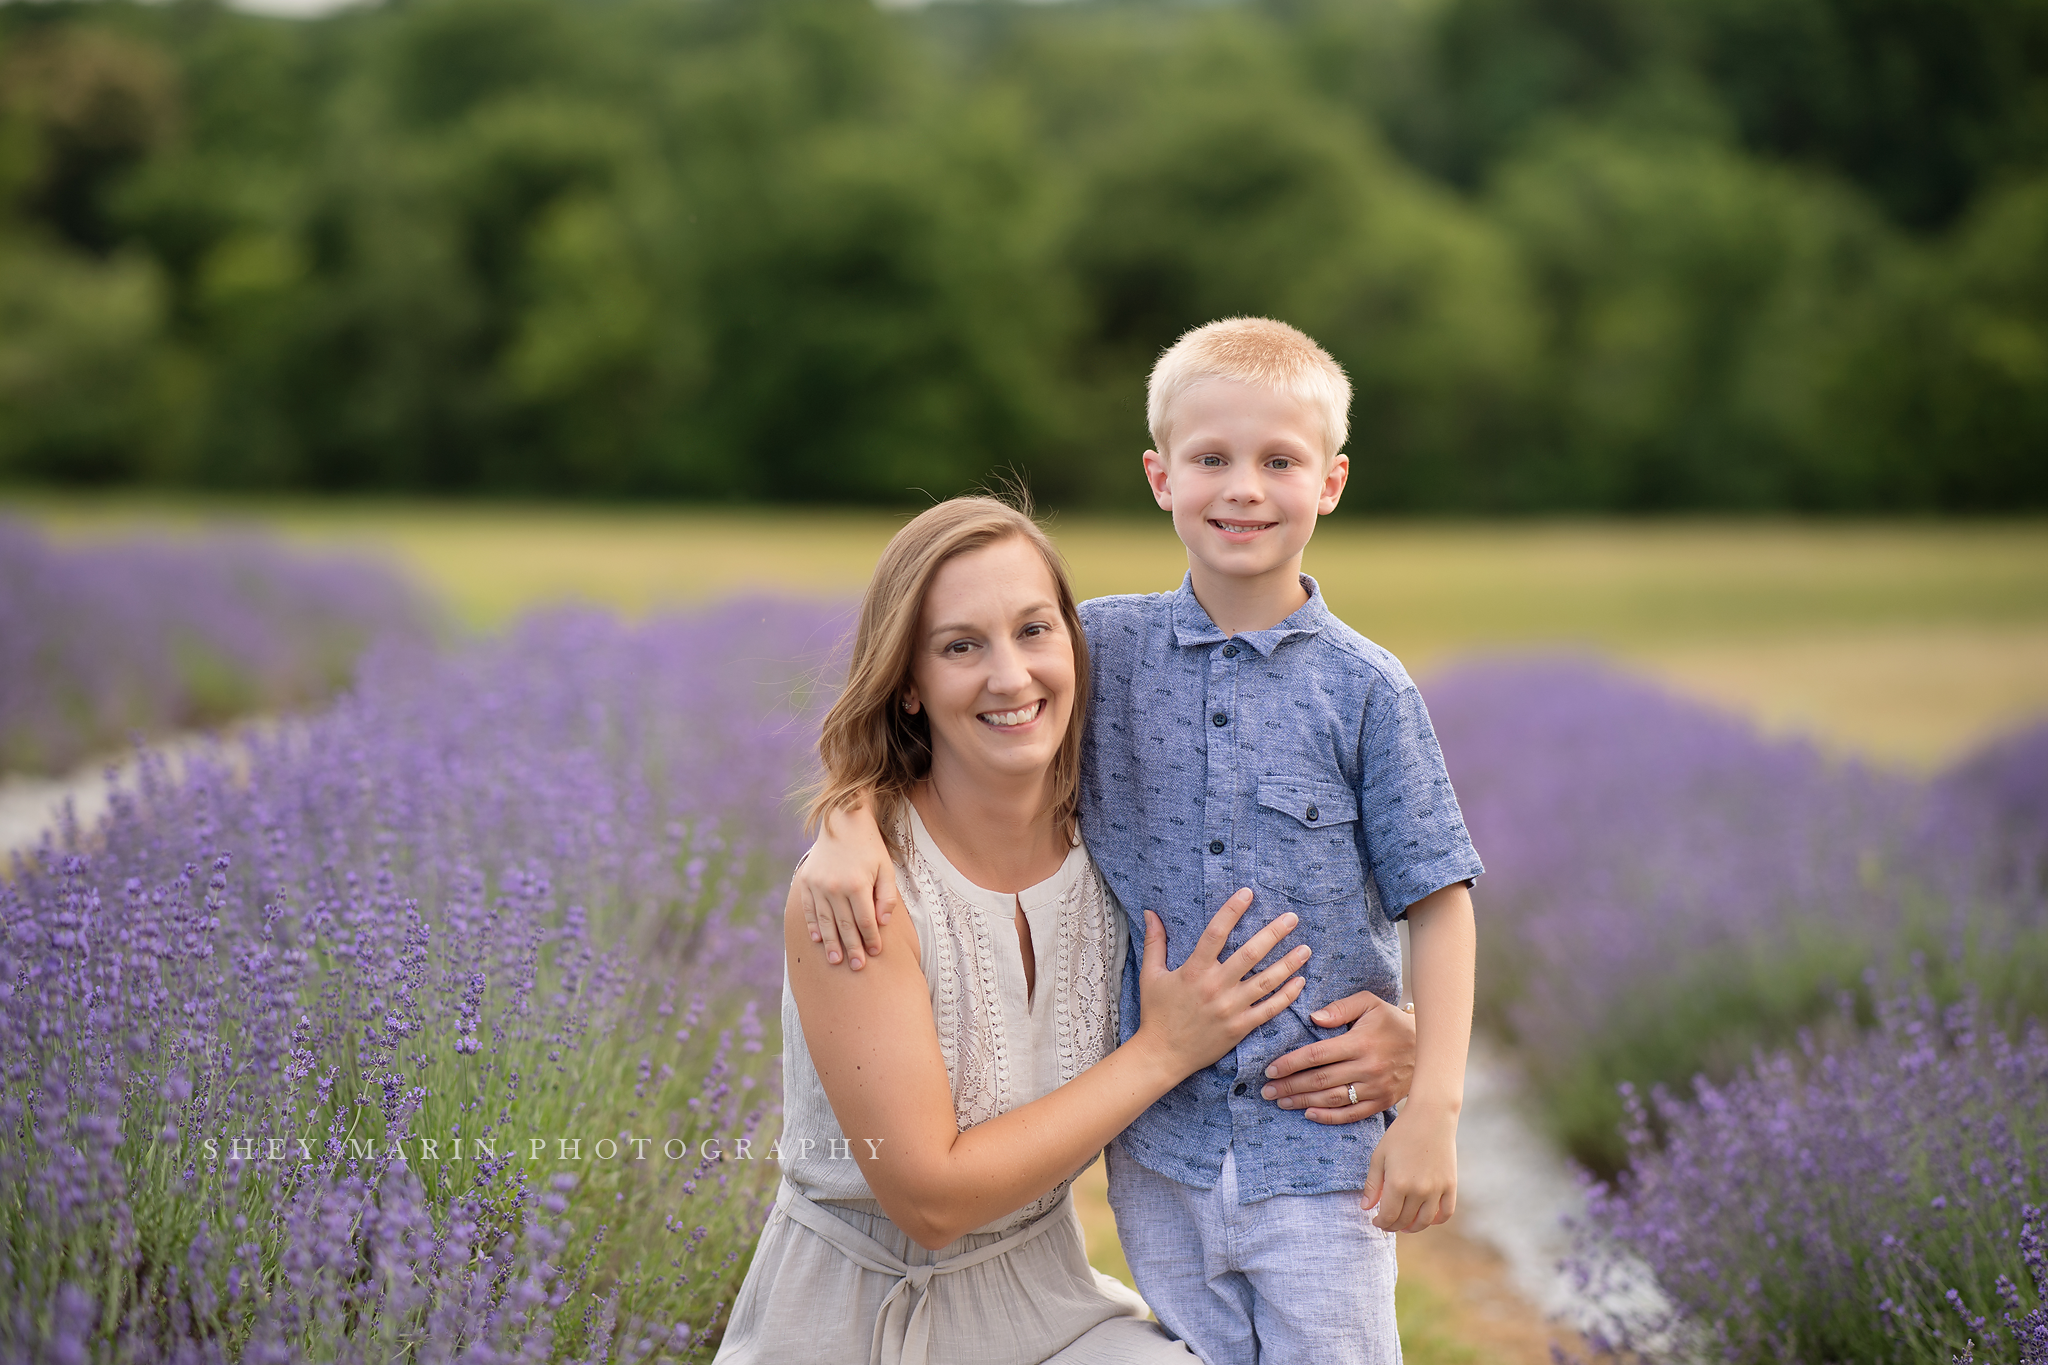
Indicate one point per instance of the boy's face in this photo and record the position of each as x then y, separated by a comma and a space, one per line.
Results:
1245, 478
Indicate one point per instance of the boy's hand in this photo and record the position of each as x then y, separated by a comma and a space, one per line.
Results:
1377, 1054
1413, 1178
846, 888
1412, 1182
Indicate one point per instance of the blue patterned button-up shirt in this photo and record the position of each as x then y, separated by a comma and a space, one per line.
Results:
1298, 761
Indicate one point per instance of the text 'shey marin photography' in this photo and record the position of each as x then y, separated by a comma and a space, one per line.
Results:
418, 1149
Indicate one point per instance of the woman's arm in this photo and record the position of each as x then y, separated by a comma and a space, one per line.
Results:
1376, 1054
872, 1039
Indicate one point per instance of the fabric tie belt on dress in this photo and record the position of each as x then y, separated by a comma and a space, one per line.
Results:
903, 1327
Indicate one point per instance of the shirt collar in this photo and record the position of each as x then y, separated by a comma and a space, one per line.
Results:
1192, 626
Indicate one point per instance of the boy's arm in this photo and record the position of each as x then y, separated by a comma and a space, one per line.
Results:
1413, 1178
845, 887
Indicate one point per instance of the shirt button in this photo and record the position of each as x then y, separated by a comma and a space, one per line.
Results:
1237, 1089
1230, 651
1312, 813
1215, 845
1219, 719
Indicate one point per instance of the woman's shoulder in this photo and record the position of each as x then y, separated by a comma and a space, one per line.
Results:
1089, 868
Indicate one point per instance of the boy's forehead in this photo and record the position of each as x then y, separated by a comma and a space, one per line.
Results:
1220, 401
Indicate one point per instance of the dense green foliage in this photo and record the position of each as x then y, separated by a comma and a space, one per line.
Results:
1589, 254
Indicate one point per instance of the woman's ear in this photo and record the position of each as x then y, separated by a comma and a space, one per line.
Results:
910, 702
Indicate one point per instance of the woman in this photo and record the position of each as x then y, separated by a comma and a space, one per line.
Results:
939, 1103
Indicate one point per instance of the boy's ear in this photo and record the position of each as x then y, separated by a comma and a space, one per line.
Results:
1155, 474
1334, 480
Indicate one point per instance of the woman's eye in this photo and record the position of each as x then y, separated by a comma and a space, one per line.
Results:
959, 647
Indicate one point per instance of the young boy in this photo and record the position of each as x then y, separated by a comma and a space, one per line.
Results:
1242, 735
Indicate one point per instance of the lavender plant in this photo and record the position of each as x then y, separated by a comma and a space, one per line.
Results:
430, 1028
107, 639
1880, 1200
1986, 831
1669, 890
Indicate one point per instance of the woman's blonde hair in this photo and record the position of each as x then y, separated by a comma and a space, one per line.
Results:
869, 743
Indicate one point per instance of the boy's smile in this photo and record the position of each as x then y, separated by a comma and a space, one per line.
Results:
1245, 477
1241, 532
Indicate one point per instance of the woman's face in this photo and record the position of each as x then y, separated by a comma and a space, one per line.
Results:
993, 667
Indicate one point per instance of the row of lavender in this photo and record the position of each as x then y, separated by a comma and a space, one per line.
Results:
105, 640
1854, 964
429, 1027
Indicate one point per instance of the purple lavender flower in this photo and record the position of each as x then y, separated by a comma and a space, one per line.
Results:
1878, 1199
281, 1031
104, 640
1988, 820
1668, 889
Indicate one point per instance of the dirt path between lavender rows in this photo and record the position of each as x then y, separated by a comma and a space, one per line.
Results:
29, 805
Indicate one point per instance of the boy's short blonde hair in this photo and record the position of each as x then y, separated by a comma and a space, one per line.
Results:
1257, 351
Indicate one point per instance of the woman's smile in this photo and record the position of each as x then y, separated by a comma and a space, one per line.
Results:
1013, 720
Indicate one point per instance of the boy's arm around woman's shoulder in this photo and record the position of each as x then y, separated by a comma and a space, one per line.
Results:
845, 887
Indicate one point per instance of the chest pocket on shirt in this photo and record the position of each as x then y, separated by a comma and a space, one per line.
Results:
1305, 840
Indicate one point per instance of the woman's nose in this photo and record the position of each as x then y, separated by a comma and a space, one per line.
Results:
1007, 671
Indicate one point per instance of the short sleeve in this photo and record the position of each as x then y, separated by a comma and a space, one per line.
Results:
1415, 837
1093, 613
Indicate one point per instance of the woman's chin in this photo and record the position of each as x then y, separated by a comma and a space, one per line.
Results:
1001, 758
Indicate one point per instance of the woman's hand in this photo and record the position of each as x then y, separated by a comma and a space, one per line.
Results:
1198, 1012
1377, 1054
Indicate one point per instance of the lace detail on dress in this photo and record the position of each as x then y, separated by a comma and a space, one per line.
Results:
966, 1004
1087, 987
967, 1000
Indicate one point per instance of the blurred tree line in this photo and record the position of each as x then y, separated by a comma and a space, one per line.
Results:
1585, 254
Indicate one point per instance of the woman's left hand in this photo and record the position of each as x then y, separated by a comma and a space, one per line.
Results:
1376, 1054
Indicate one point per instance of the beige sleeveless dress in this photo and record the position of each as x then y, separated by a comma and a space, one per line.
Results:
832, 1278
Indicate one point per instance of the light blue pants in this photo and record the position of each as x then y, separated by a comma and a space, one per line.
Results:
1293, 1278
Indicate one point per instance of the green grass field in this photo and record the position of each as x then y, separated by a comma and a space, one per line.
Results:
1904, 642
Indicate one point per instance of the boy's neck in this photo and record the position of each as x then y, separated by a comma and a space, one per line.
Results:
1238, 603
